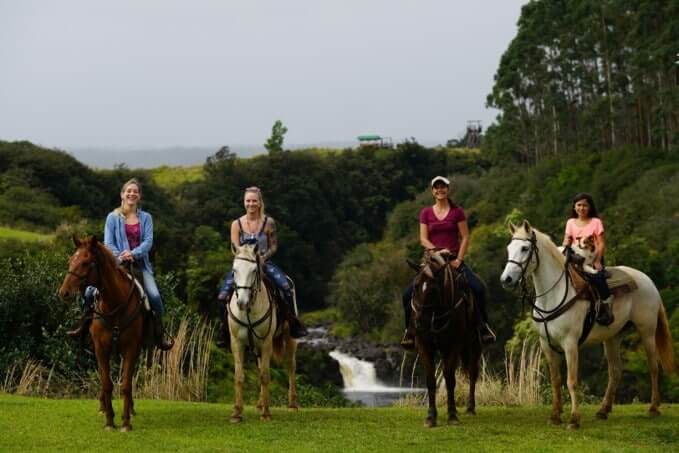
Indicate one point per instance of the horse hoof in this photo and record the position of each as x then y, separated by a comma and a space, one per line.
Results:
265, 417
294, 408
602, 415
126, 429
429, 423
471, 411
573, 426
653, 412
555, 420
236, 419
109, 428
453, 421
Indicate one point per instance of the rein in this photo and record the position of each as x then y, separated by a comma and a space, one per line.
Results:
110, 319
544, 316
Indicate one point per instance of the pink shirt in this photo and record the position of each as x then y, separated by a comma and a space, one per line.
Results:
443, 233
133, 233
593, 228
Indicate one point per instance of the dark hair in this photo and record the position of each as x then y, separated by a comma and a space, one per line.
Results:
592, 207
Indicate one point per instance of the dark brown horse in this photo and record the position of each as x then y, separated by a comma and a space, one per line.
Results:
117, 327
445, 323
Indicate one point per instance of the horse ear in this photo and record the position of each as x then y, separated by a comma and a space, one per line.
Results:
512, 227
526, 226
76, 241
415, 266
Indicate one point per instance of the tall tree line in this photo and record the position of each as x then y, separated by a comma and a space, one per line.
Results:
588, 74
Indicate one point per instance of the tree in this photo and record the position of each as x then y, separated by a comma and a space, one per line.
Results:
275, 143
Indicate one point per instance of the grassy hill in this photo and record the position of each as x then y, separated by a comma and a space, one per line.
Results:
31, 424
22, 235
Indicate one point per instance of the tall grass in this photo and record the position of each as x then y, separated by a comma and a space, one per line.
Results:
521, 384
179, 374
182, 372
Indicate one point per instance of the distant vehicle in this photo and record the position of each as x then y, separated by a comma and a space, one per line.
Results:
376, 141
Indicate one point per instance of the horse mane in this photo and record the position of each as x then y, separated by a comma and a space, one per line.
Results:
103, 255
551, 247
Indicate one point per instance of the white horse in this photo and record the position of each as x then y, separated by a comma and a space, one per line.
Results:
253, 322
559, 315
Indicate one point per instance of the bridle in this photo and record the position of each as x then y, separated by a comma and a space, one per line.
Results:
253, 288
539, 314
83, 277
448, 308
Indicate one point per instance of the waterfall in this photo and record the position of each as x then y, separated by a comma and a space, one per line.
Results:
358, 375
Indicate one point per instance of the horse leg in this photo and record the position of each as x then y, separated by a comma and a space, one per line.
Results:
265, 379
473, 377
648, 341
106, 388
449, 367
129, 362
428, 363
554, 362
291, 353
612, 350
238, 351
571, 353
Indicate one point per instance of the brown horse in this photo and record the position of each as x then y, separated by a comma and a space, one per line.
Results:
118, 322
445, 322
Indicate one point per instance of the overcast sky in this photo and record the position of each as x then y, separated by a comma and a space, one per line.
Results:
143, 73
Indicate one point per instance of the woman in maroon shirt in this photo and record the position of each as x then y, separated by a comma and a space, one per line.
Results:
444, 226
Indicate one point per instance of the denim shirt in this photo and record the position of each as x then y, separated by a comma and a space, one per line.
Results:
116, 239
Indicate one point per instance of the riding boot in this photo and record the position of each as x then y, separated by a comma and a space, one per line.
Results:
159, 333
605, 313
297, 328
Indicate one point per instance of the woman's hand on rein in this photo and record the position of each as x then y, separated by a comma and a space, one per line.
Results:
456, 263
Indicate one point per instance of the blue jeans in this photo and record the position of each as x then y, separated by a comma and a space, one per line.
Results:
150, 288
475, 284
274, 273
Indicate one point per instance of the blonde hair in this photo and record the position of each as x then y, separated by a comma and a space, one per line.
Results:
258, 191
135, 181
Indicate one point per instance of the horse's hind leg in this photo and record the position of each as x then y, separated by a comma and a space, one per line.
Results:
290, 358
612, 350
106, 388
648, 341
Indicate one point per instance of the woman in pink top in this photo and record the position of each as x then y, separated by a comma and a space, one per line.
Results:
444, 226
585, 222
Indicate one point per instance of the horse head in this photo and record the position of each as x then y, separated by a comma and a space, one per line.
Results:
82, 268
247, 274
522, 254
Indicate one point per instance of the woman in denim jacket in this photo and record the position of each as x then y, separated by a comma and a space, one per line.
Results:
128, 234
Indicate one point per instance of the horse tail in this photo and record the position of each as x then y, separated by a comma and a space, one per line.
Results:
663, 342
279, 343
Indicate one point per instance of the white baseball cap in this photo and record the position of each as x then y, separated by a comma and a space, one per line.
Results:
441, 179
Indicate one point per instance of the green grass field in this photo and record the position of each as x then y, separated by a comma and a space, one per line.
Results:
74, 425
21, 235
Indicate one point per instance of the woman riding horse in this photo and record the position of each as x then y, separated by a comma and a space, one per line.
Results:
257, 228
444, 226
128, 234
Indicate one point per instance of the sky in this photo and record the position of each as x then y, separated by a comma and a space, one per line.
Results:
155, 73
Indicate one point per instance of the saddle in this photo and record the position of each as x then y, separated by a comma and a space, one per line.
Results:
619, 281
135, 276
277, 298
